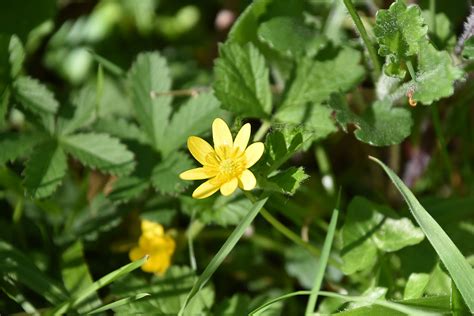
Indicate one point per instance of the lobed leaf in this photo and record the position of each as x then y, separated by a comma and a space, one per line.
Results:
34, 96
165, 175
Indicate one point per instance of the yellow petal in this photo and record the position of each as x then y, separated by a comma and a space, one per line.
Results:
221, 133
242, 138
149, 227
206, 189
247, 180
229, 187
136, 253
198, 174
253, 153
199, 148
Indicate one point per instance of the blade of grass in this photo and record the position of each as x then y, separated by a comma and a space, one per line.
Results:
362, 299
222, 253
458, 306
323, 261
110, 66
118, 303
460, 270
105, 280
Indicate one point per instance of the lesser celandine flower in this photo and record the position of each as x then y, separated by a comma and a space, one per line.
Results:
155, 243
226, 165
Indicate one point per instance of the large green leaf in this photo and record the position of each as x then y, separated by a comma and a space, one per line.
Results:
459, 269
149, 78
370, 227
242, 80
45, 170
380, 125
20, 267
435, 76
34, 96
399, 31
100, 151
85, 109
314, 81
193, 118
290, 36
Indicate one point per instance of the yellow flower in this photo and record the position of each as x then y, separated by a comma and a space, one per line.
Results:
155, 243
226, 165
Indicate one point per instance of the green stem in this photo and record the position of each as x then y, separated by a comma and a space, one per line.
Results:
325, 168
441, 140
433, 16
365, 37
411, 70
262, 131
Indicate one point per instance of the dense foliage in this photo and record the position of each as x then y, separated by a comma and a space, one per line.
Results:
364, 197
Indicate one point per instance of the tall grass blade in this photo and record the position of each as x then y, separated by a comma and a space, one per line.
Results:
222, 253
460, 270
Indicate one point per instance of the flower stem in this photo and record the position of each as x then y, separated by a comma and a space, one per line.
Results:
411, 70
365, 37
262, 131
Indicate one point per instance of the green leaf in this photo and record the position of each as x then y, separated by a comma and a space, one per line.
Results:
380, 125
15, 145
459, 269
222, 254
458, 306
468, 51
370, 227
45, 170
416, 285
399, 32
4, 101
167, 293
193, 118
323, 261
287, 181
165, 176
121, 128
17, 56
76, 275
148, 77
127, 188
435, 76
34, 96
242, 80
99, 151
20, 267
85, 109
290, 36
340, 73
118, 303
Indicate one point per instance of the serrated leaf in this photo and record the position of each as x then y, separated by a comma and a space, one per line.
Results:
121, 128
286, 181
193, 118
17, 56
165, 176
290, 36
370, 228
14, 145
45, 170
435, 76
35, 96
127, 188
380, 125
100, 151
148, 77
242, 80
399, 32
314, 81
